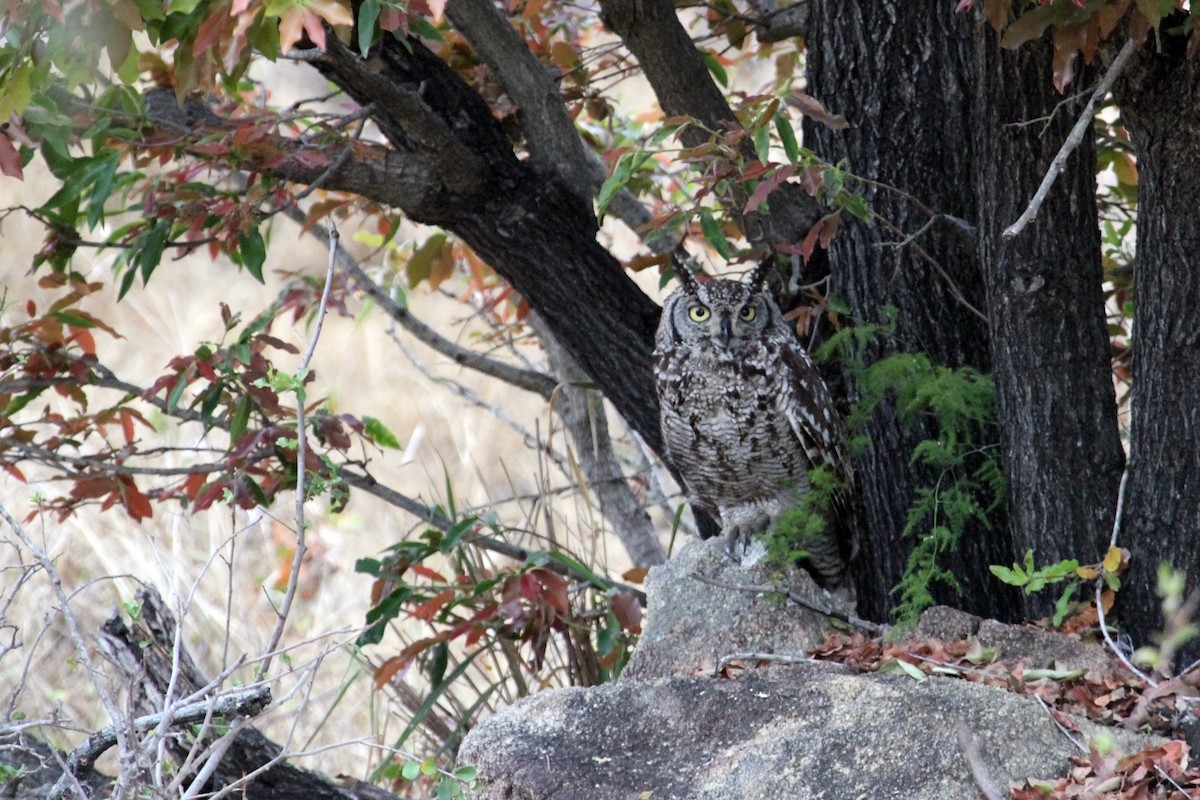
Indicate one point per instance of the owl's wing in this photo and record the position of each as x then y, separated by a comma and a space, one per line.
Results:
812, 415
818, 426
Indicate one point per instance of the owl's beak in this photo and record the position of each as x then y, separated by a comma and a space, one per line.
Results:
726, 330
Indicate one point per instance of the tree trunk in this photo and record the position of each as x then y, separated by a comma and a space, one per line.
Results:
1159, 97
902, 75
1050, 351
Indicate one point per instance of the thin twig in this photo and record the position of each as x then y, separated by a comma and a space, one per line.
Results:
1061, 728
1112, 542
798, 599
81, 649
1072, 141
528, 380
240, 703
775, 658
970, 751
301, 454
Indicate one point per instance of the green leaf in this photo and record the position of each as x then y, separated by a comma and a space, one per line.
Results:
368, 15
714, 66
22, 400
1062, 606
72, 318
253, 251
411, 770
1012, 577
436, 666
762, 144
378, 433
421, 263
714, 235
1053, 674
787, 137
176, 393
241, 418
150, 248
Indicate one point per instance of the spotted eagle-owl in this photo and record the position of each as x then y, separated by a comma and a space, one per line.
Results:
746, 415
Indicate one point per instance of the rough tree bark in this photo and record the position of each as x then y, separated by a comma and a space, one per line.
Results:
1159, 96
1050, 351
902, 75
528, 225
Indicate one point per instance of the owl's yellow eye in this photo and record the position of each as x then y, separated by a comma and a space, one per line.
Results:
699, 313
747, 313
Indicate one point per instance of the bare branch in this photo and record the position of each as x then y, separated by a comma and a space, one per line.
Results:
289, 595
525, 379
1112, 542
81, 648
553, 141
405, 180
239, 703
582, 412
1073, 140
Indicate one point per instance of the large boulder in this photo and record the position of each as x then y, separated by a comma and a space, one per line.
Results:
670, 728
801, 731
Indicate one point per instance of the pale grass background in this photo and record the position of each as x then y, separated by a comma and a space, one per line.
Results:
102, 556
228, 594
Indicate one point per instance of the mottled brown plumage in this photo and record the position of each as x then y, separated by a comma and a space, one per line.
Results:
746, 415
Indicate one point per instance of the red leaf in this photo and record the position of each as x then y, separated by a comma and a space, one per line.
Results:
388, 669
810, 241
628, 611
127, 425
12, 470
210, 31
428, 610
555, 589
209, 496
92, 487
530, 587
770, 184
192, 485
10, 159
426, 572
84, 339
812, 108
136, 504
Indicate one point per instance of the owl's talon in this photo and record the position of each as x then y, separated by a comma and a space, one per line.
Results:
739, 534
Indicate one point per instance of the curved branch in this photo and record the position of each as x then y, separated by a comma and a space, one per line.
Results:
553, 141
525, 379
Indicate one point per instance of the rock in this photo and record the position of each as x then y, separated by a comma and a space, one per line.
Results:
802, 731
669, 729
691, 624
1034, 647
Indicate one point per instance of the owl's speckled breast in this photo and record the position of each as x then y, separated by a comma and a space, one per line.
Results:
725, 427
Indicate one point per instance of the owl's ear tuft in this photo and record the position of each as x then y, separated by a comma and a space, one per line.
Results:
759, 276
687, 281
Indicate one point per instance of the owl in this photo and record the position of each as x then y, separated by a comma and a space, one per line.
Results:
746, 415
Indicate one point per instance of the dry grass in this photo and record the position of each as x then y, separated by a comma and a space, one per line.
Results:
221, 569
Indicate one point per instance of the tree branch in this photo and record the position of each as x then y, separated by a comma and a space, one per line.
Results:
553, 141
405, 180
1073, 139
582, 412
525, 379
240, 703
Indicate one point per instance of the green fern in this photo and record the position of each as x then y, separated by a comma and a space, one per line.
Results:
970, 482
